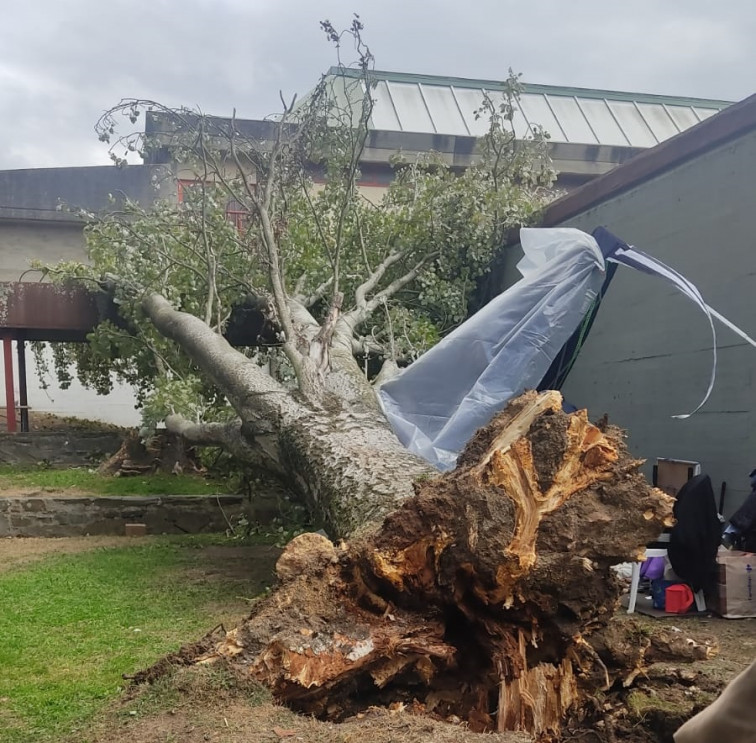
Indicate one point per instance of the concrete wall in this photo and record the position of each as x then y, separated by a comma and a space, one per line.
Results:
22, 242
33, 226
58, 449
76, 401
649, 354
49, 516
55, 194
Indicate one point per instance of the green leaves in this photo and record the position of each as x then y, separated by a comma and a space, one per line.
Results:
286, 218
170, 396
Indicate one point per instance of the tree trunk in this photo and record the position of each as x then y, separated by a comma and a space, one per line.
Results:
485, 596
349, 466
341, 455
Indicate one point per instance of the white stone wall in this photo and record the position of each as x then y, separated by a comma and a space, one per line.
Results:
117, 407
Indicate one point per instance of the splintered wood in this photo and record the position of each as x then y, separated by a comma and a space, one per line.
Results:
482, 598
509, 465
539, 699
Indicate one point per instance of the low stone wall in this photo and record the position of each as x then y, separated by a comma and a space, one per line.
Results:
32, 516
58, 448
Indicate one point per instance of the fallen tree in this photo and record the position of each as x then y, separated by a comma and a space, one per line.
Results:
486, 596
483, 595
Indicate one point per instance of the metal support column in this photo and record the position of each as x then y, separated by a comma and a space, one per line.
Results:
23, 399
10, 401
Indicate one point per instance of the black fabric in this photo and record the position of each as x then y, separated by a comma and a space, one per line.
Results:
744, 521
608, 241
562, 364
695, 538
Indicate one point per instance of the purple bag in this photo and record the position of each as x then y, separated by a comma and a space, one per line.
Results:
653, 568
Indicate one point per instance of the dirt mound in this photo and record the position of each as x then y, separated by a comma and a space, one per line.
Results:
202, 703
39, 421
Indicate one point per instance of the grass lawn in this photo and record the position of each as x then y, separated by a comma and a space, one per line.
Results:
71, 625
83, 480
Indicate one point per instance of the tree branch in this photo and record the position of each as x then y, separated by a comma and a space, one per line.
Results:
252, 393
305, 187
271, 246
365, 307
211, 260
360, 294
234, 437
388, 371
400, 283
307, 300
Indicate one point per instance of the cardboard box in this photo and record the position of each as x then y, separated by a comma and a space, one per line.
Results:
736, 589
672, 474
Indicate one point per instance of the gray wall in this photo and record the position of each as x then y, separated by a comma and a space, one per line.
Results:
39, 193
50, 242
32, 224
649, 354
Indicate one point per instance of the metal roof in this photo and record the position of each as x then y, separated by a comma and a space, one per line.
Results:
738, 121
445, 105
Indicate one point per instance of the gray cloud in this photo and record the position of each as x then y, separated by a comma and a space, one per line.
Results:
62, 64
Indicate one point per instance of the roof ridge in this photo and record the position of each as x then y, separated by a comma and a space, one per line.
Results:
556, 90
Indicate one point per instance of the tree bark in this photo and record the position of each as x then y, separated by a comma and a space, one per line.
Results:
341, 455
485, 596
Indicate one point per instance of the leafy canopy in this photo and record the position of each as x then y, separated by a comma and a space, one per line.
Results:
275, 215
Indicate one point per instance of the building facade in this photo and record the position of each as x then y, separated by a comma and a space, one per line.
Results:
688, 202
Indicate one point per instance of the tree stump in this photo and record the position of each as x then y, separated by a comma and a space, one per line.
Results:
164, 452
485, 597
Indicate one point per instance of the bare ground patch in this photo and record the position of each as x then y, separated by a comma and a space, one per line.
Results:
12, 491
15, 551
201, 704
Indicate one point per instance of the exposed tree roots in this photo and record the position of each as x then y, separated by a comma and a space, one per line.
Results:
486, 597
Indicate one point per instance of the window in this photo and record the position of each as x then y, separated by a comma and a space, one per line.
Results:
236, 213
183, 185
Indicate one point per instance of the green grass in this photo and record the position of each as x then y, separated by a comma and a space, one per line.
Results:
89, 481
173, 691
71, 625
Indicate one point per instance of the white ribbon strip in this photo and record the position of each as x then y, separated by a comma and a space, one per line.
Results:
641, 261
735, 329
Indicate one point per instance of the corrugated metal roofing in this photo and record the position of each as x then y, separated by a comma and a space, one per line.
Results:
442, 105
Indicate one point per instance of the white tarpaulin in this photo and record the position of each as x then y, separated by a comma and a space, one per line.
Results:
436, 404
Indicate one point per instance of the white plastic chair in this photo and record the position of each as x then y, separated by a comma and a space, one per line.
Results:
635, 581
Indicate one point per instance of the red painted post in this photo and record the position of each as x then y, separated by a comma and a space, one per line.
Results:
10, 401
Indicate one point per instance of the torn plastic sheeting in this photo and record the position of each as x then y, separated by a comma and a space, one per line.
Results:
436, 404
628, 256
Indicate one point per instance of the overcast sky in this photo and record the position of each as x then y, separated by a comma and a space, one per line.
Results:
63, 63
